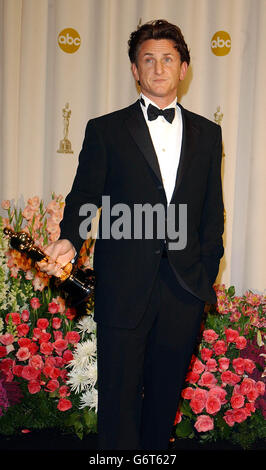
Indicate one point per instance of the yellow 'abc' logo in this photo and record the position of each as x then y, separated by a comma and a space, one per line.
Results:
69, 40
221, 43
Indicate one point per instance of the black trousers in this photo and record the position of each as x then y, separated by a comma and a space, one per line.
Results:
141, 371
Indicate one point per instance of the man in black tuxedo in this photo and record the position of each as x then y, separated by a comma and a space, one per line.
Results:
150, 292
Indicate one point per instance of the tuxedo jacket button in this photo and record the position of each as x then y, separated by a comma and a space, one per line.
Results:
157, 252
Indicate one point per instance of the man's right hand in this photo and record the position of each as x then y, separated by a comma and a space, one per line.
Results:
59, 253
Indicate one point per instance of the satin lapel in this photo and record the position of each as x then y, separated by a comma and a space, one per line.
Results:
140, 132
189, 140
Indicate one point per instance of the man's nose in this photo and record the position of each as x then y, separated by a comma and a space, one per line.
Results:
158, 67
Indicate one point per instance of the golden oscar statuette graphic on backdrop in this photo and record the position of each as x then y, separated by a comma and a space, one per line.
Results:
65, 144
76, 283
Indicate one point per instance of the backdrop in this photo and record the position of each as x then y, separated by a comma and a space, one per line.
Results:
65, 61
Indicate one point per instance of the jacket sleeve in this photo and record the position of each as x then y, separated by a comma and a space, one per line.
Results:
212, 219
87, 187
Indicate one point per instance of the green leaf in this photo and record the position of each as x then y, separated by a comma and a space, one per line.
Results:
185, 429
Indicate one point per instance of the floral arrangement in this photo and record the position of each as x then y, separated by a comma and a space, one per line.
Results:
224, 396
48, 357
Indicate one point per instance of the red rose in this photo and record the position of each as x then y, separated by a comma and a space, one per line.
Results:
52, 385
260, 386
23, 329
207, 380
210, 336
192, 377
23, 354
231, 335
213, 404
241, 342
187, 393
64, 391
17, 370
58, 335
56, 323
24, 342
220, 347
64, 404
70, 313
230, 378
46, 348
34, 386
237, 400
224, 363
253, 394
197, 405
35, 303
220, 393
53, 307
204, 423
15, 318
206, 354
60, 345
178, 417
73, 337
29, 373
36, 333
42, 323
44, 337
67, 356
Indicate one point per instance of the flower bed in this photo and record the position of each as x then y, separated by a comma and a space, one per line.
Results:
48, 358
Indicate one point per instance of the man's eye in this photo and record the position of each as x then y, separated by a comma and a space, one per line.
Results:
148, 61
168, 59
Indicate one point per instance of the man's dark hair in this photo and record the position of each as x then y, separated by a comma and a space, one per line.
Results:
158, 29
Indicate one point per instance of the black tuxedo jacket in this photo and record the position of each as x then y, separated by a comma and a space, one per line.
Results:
118, 160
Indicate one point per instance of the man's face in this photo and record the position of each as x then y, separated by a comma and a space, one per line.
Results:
159, 70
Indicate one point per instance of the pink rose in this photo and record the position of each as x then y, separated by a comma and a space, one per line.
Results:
220, 347
178, 417
249, 365
192, 377
204, 423
253, 394
6, 339
35, 303
237, 400
58, 335
42, 323
197, 405
25, 315
241, 342
224, 363
213, 404
36, 361
229, 418
56, 323
207, 380
53, 307
240, 415
23, 354
220, 393
211, 365
231, 335
239, 365
247, 385
64, 404
210, 336
64, 391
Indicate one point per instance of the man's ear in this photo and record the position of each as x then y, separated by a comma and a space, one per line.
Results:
135, 72
183, 71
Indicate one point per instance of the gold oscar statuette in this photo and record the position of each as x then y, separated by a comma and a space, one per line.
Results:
78, 284
65, 144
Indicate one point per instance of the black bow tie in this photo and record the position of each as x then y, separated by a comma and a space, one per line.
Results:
153, 113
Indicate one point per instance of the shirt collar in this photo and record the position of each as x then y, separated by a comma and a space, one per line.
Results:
148, 101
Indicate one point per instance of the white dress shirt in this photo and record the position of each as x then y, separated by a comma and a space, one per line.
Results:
167, 139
